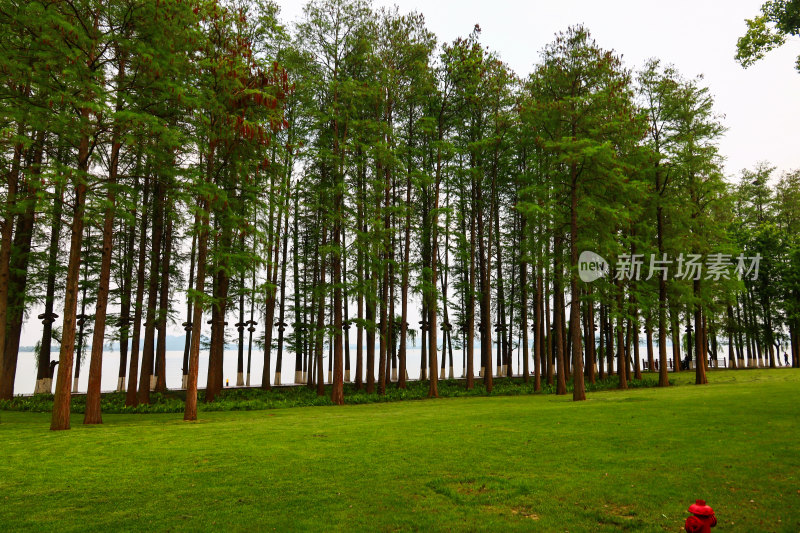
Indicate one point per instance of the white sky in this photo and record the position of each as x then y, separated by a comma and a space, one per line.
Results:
761, 105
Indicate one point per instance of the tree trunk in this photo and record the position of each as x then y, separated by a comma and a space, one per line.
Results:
241, 324
637, 366
558, 316
700, 367
401, 379
131, 398
362, 273
163, 311
61, 401
591, 351
320, 330
548, 329
539, 337
187, 326
202, 225
384, 306
6, 244
282, 309
663, 380
216, 352
523, 286
129, 234
18, 280
148, 353
485, 253
470, 325
299, 329
269, 310
622, 364
579, 390
345, 308
602, 330
19, 261
93, 414
676, 342
44, 379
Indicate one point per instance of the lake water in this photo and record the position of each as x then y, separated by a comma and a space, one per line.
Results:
26, 368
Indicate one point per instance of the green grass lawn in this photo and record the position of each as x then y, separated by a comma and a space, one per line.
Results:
630, 460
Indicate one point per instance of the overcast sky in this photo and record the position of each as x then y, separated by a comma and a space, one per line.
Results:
761, 105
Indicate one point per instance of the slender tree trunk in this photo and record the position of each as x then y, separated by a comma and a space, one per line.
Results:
700, 367
216, 352
401, 380
131, 398
163, 310
591, 353
124, 323
201, 225
299, 327
93, 414
6, 244
558, 316
637, 366
622, 365
81, 318
187, 326
550, 341
602, 331
384, 306
311, 320
663, 380
251, 324
362, 273
486, 308
433, 385
502, 334
539, 337
18, 280
282, 311
148, 354
523, 285
345, 306
61, 402
579, 390
320, 330
610, 339
269, 311
44, 381
19, 261
241, 324
470, 325
676, 342
648, 331
370, 329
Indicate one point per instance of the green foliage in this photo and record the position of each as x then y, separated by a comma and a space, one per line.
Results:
778, 20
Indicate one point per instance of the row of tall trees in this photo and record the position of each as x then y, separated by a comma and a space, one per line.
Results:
196, 162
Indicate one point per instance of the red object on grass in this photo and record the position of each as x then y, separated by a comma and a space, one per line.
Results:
702, 519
